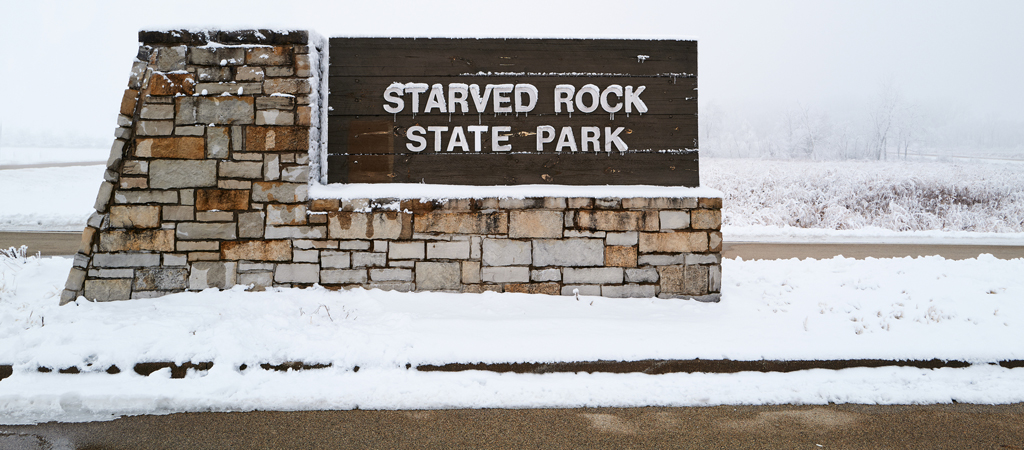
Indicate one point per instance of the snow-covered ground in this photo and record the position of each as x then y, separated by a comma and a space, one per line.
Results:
922, 308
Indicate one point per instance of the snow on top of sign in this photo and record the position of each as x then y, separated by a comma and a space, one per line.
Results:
589, 36
447, 191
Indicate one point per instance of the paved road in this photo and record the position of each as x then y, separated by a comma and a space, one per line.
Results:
957, 426
67, 244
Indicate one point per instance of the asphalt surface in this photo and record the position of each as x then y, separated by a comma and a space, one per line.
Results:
50, 244
956, 426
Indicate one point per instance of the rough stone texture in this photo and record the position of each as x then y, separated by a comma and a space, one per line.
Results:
106, 290
592, 275
510, 274
629, 290
687, 280
390, 275
535, 224
533, 288
261, 250
275, 191
506, 252
286, 214
626, 238
125, 259
343, 277
546, 275
406, 250
462, 223
241, 169
222, 199
196, 231
448, 250
706, 219
171, 148
142, 216
470, 272
208, 274
568, 252
438, 276
674, 220
335, 260
297, 273
673, 242
136, 240
170, 173
620, 256
161, 279
351, 225
645, 275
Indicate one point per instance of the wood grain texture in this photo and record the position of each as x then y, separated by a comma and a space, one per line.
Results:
368, 145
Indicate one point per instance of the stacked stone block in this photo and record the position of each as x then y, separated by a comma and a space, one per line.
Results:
208, 187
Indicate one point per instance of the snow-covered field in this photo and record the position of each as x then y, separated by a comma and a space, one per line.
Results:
924, 308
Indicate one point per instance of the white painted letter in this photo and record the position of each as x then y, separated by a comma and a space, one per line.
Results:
613, 138
476, 130
501, 96
416, 89
436, 99
545, 134
566, 139
458, 94
415, 134
530, 91
437, 136
595, 95
563, 95
480, 101
590, 135
458, 140
611, 89
634, 99
393, 94
497, 139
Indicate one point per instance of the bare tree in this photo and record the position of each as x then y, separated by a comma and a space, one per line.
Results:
882, 118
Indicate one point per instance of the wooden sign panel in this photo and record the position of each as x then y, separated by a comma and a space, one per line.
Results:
513, 111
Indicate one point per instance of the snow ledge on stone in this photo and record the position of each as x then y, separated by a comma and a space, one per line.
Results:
446, 191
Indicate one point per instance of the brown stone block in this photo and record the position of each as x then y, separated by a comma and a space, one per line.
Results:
325, 204
533, 288
620, 256
461, 223
172, 84
480, 288
268, 56
674, 242
291, 86
609, 220
185, 147
686, 280
710, 203
277, 250
531, 224
353, 225
128, 102
269, 138
222, 199
318, 218
706, 219
303, 114
650, 220
133, 183
137, 240
88, 237
134, 216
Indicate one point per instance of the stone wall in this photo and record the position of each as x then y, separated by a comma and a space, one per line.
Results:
208, 186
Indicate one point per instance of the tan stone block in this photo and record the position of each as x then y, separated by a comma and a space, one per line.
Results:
191, 246
88, 237
533, 288
172, 84
470, 272
674, 242
128, 102
686, 280
141, 216
133, 183
317, 218
325, 204
715, 241
620, 256
269, 138
706, 219
249, 74
268, 56
531, 224
610, 220
302, 117
286, 214
185, 147
352, 225
291, 86
222, 199
710, 203
137, 240
480, 288
262, 250
461, 223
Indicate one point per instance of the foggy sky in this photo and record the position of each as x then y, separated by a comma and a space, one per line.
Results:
65, 64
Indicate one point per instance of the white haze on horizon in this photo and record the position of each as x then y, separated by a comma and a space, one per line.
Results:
785, 79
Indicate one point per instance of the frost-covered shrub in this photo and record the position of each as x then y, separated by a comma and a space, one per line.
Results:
847, 195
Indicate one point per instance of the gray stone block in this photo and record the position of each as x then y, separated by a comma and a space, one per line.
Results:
304, 232
208, 274
406, 250
391, 274
662, 260
171, 259
306, 256
178, 213
218, 143
674, 220
471, 272
361, 259
103, 196
715, 279
272, 167
161, 279
279, 192
109, 289
112, 273
546, 275
506, 252
297, 273
583, 289
645, 275
170, 59
335, 260
170, 173
448, 250
343, 276
708, 298
241, 169
154, 128
81, 261
629, 291
354, 245
399, 286
196, 231
286, 214
568, 252
250, 224
438, 276
126, 259
702, 258
507, 274
295, 174
129, 197
157, 111
217, 56
76, 278
592, 275
225, 110
406, 263
628, 238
